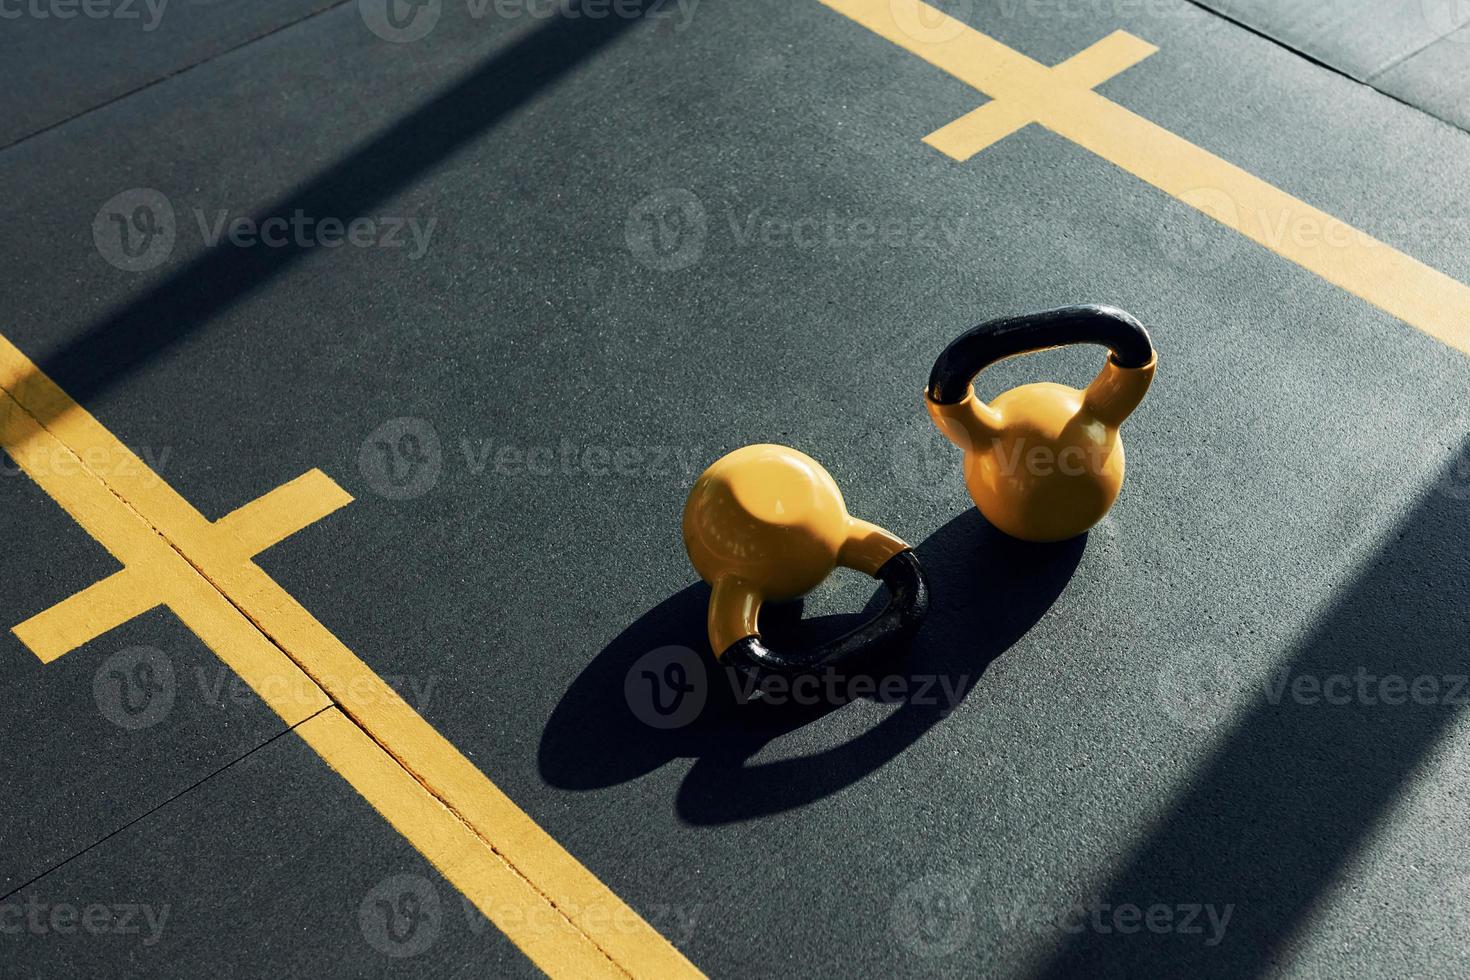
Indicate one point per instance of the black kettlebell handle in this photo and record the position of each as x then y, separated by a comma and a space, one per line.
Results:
908, 603
994, 340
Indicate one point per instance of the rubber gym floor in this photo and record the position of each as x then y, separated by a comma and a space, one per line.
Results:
358, 358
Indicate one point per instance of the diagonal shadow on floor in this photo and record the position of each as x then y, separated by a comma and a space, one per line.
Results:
1299, 785
191, 297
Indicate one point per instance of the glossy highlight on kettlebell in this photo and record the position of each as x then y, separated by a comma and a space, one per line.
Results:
767, 522
1044, 461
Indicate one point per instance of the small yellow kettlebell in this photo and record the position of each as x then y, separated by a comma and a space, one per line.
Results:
1043, 462
768, 522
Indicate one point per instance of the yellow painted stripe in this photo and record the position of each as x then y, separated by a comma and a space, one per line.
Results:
979, 128
95, 610
108, 604
107, 458
994, 121
123, 500
375, 706
1099, 62
504, 896
275, 516
1388, 279
58, 470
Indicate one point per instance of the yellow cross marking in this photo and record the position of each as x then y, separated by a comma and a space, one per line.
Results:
138, 588
1062, 100
997, 119
560, 915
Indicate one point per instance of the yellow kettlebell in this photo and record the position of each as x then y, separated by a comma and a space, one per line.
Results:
766, 522
1043, 462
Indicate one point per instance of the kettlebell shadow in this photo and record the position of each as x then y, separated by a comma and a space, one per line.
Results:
988, 590
610, 727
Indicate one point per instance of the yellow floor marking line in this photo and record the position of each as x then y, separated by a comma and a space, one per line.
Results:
1061, 99
157, 571
204, 571
85, 616
995, 120
501, 894
289, 508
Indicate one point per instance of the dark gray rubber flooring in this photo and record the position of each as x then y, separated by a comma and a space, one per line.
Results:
1109, 730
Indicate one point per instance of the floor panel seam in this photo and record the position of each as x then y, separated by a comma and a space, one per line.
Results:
173, 73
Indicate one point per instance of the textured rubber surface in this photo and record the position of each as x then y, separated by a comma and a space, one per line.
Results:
1417, 51
64, 59
1080, 723
273, 867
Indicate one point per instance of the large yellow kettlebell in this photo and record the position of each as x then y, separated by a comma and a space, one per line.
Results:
766, 522
1043, 462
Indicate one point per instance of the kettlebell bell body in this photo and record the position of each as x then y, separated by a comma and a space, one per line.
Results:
767, 522
1043, 461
